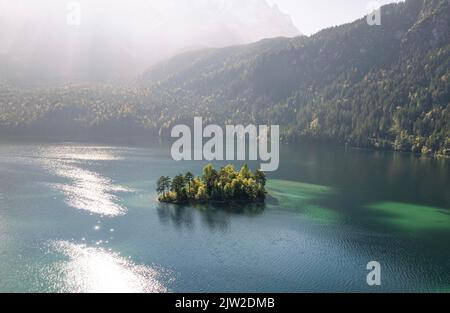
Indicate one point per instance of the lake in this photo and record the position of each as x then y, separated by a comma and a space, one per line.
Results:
82, 217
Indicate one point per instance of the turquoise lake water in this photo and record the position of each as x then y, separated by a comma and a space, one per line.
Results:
82, 217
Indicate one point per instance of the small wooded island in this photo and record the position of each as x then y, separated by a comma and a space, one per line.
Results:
225, 185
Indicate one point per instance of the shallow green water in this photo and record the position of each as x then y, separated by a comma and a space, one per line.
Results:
83, 217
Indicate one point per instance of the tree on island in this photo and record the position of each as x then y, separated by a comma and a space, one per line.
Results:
189, 178
163, 185
225, 185
260, 178
210, 176
179, 187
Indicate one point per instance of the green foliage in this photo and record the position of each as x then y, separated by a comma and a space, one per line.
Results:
225, 185
160, 186
189, 178
163, 185
260, 178
179, 188
383, 87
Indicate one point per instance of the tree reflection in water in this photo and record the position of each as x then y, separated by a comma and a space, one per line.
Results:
215, 217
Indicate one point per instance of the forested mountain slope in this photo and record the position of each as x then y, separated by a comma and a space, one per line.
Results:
381, 86
376, 86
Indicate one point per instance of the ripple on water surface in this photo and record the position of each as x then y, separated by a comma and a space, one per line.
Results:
85, 189
96, 270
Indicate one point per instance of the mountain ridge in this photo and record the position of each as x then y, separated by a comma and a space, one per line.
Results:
384, 87
346, 60
115, 42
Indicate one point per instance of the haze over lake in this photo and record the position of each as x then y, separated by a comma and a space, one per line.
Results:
82, 217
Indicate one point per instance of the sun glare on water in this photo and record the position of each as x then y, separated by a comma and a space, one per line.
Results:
96, 270
83, 188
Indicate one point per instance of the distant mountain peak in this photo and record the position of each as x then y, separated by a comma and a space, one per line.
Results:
116, 41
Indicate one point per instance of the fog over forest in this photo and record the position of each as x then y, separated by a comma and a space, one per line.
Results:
119, 39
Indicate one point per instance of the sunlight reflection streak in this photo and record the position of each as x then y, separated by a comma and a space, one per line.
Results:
87, 190
95, 270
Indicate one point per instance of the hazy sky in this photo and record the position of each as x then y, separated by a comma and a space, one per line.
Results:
117, 38
123, 37
311, 16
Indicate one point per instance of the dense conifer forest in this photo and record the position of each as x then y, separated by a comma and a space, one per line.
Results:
383, 87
